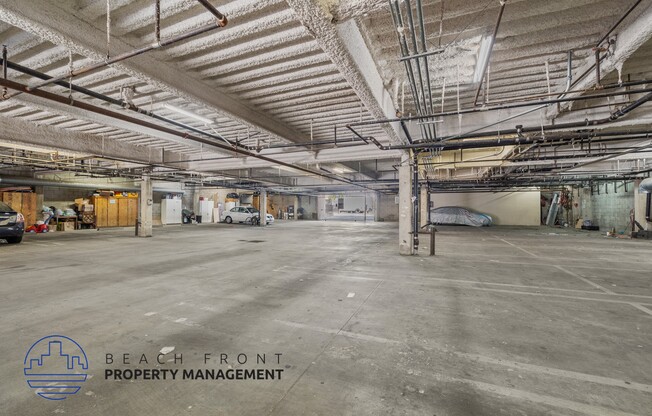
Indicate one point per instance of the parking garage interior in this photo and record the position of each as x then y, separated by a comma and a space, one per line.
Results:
326, 207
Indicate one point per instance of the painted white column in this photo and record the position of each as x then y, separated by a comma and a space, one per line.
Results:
425, 206
263, 207
145, 203
640, 202
321, 207
405, 208
296, 208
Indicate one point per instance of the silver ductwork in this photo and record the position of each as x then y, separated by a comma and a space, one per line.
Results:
646, 185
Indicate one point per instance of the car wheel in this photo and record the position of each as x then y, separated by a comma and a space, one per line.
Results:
228, 220
14, 240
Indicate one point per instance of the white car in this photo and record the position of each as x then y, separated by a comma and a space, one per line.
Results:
245, 214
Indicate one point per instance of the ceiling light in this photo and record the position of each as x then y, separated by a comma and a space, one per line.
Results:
483, 58
188, 113
285, 168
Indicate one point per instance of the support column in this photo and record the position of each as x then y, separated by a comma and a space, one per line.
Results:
377, 206
424, 201
296, 208
145, 202
263, 207
321, 207
640, 203
405, 246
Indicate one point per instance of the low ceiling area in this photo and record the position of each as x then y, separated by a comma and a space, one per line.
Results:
321, 96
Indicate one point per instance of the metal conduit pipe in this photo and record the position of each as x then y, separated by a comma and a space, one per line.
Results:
221, 19
491, 48
95, 109
405, 51
518, 105
587, 123
548, 141
428, 129
121, 103
415, 202
77, 185
126, 55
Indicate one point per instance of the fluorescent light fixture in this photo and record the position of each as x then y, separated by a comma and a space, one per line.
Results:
341, 170
188, 113
483, 58
285, 168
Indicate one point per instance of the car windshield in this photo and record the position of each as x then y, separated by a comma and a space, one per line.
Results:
253, 210
5, 207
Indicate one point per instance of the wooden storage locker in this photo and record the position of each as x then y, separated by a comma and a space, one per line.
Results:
115, 211
23, 202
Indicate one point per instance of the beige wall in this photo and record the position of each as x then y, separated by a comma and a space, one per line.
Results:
506, 208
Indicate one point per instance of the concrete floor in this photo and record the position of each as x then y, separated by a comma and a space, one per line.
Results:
504, 321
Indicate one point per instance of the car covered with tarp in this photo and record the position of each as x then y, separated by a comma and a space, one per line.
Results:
459, 216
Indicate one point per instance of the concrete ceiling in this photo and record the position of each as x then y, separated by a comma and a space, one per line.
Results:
285, 72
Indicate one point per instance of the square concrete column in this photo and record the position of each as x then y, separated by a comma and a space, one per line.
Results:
640, 202
425, 206
321, 207
296, 207
377, 206
263, 207
405, 246
145, 203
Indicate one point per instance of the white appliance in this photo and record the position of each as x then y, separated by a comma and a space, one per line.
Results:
171, 211
206, 211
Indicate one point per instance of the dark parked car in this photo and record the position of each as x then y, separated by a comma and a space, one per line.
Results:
12, 224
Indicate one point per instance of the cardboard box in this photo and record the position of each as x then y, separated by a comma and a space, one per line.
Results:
67, 226
88, 208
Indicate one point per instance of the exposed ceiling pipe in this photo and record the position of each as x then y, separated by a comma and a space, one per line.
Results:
127, 55
491, 47
541, 103
110, 100
519, 130
120, 116
221, 18
405, 51
77, 185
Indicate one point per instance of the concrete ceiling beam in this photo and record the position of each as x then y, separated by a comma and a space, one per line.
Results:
629, 39
25, 133
345, 46
55, 25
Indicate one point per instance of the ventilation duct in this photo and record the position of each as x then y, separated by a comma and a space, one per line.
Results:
646, 185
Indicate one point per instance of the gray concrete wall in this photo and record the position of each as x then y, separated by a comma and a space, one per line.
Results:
309, 205
387, 208
611, 209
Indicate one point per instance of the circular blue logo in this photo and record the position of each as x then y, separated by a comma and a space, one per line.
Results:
55, 367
